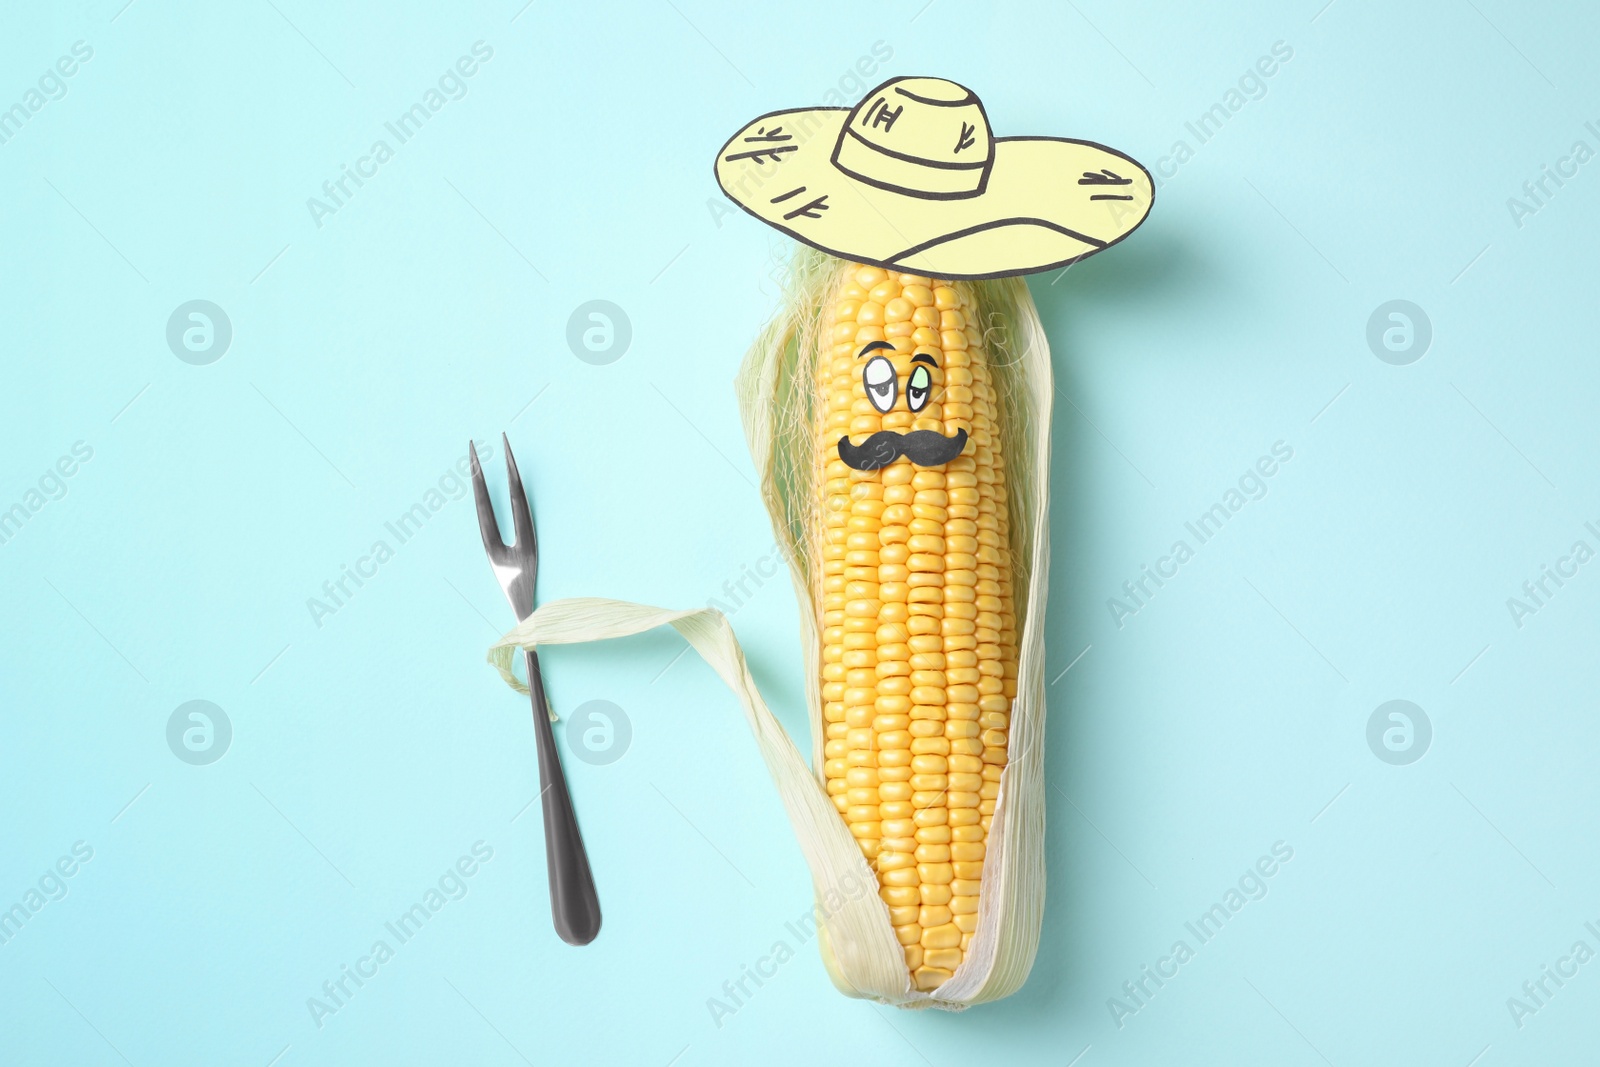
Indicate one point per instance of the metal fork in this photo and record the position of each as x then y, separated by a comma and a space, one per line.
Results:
574, 905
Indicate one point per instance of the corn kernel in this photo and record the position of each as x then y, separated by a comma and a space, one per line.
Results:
915, 608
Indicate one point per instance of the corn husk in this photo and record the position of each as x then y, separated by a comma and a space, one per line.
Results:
776, 397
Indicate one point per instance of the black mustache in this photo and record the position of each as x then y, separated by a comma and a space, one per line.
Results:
925, 448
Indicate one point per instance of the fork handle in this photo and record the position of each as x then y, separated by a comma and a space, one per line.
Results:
574, 904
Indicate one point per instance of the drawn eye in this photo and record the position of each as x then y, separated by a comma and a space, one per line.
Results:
918, 387
880, 381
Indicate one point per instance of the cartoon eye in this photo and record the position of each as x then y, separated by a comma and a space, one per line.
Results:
918, 387
881, 383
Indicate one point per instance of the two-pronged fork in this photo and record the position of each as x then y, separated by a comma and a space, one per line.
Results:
574, 905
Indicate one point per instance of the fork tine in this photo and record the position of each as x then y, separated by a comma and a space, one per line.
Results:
521, 516
487, 526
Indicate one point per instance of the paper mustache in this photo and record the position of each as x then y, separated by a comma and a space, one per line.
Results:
925, 448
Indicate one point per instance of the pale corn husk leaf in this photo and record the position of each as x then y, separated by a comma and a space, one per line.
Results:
776, 395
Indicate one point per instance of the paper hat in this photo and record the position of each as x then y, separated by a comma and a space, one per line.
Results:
912, 178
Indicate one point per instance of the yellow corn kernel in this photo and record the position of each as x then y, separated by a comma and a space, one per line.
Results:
914, 603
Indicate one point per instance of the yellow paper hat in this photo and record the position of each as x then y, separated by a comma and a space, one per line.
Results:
912, 178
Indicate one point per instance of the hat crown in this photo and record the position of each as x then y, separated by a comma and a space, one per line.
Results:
924, 137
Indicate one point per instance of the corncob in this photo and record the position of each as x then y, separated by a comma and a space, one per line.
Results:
919, 635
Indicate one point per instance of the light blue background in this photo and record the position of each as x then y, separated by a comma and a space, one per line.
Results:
372, 751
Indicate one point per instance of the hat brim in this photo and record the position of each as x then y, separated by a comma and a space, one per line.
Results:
1047, 202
